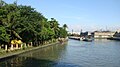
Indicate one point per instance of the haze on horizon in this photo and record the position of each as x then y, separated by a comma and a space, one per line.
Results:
88, 15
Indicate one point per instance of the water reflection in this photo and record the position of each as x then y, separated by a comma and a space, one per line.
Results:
32, 62
45, 57
54, 52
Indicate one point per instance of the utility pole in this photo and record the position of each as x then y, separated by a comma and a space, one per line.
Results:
107, 29
72, 31
81, 32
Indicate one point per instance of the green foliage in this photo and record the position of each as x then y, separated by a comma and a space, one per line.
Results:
4, 37
65, 26
24, 22
62, 33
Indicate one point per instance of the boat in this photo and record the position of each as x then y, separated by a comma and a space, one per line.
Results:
74, 38
86, 36
88, 40
82, 38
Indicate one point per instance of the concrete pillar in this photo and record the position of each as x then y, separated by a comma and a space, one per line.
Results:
31, 44
21, 46
6, 47
25, 45
16, 46
11, 47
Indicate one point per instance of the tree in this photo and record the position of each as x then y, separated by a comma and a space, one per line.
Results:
25, 23
54, 26
62, 33
4, 37
65, 26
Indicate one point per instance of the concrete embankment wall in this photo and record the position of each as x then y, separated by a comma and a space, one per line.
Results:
12, 54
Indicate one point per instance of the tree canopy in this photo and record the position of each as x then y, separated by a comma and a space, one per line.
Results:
25, 23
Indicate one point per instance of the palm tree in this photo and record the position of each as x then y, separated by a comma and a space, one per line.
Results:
65, 26
54, 26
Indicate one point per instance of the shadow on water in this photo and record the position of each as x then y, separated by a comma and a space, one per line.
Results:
33, 62
45, 57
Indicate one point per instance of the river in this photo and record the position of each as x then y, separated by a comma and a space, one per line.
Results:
99, 53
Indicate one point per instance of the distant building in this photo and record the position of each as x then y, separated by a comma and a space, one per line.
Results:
84, 34
103, 34
76, 33
118, 31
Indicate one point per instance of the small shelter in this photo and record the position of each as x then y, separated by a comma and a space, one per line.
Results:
16, 43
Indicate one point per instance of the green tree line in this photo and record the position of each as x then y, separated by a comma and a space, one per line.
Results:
25, 23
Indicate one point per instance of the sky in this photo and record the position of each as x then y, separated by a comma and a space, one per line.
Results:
88, 15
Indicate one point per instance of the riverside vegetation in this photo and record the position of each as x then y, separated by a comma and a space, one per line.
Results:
25, 24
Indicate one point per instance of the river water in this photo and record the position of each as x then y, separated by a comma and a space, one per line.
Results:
99, 53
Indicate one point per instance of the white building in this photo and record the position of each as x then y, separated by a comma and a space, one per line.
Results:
103, 34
